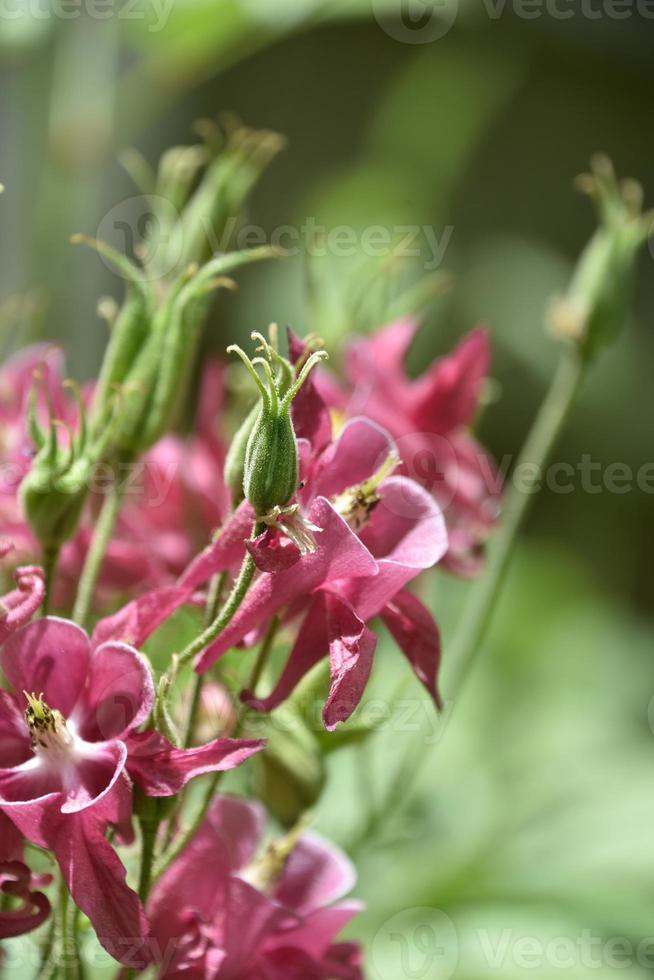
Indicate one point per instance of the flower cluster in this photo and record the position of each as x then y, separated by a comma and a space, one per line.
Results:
301, 520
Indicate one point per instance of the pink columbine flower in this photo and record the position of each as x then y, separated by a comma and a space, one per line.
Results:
69, 751
430, 417
18, 883
226, 910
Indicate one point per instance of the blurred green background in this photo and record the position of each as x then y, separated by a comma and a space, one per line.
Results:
533, 812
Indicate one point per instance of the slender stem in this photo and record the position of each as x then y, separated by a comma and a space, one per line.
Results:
263, 654
68, 951
226, 614
213, 602
95, 555
187, 835
148, 839
50, 562
533, 458
48, 965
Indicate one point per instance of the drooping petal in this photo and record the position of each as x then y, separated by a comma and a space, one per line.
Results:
272, 552
351, 651
15, 746
162, 770
15, 883
119, 693
18, 607
311, 419
413, 628
339, 554
11, 840
49, 656
95, 878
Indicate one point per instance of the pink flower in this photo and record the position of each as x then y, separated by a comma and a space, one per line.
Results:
222, 911
430, 418
17, 882
376, 534
69, 751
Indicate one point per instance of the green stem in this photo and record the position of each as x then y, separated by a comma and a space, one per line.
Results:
95, 556
148, 839
187, 835
50, 562
213, 603
226, 614
533, 458
68, 949
48, 965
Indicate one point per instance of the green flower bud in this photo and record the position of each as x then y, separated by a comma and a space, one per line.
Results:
54, 491
596, 304
234, 469
270, 475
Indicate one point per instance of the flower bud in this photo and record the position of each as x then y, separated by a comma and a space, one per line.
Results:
270, 475
593, 310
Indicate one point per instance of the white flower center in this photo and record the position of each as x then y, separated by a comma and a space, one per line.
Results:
48, 730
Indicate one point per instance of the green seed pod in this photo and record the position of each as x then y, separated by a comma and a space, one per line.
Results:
596, 304
270, 473
234, 469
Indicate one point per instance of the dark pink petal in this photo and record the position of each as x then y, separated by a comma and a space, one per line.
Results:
119, 694
381, 357
15, 746
18, 607
351, 651
316, 874
272, 552
355, 456
330, 626
413, 628
311, 419
339, 554
406, 534
249, 919
225, 550
48, 656
318, 930
446, 396
15, 883
138, 619
95, 878
162, 770
239, 826
343, 961
11, 840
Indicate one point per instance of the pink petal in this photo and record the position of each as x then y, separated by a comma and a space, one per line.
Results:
351, 651
339, 554
239, 826
162, 770
15, 882
311, 419
49, 656
406, 534
95, 878
15, 746
413, 628
226, 550
119, 694
446, 397
355, 456
98, 767
272, 552
19, 606
317, 931
382, 355
316, 874
138, 619
11, 840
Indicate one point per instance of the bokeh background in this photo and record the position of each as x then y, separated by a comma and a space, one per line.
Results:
527, 813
